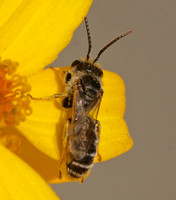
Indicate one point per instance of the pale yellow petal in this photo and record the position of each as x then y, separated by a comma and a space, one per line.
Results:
19, 181
45, 126
34, 32
115, 139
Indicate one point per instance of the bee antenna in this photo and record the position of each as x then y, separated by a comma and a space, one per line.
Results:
110, 43
89, 37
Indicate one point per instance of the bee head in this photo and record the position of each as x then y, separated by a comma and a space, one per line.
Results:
87, 67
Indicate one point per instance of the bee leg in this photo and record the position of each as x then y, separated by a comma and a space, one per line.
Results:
67, 102
64, 147
60, 174
99, 156
68, 77
47, 98
82, 180
97, 131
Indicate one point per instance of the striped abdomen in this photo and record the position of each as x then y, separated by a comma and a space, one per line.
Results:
79, 168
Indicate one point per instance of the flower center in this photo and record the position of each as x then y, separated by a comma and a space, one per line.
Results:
14, 102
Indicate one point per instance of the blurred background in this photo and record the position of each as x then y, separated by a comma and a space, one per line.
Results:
146, 61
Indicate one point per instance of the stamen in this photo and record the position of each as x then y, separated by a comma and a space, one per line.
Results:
14, 102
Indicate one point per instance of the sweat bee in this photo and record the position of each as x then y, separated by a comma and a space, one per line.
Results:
85, 92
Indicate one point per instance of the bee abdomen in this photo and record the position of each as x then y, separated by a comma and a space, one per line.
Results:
78, 168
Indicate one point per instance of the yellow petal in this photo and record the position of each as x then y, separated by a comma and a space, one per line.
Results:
45, 127
44, 165
115, 139
34, 32
19, 181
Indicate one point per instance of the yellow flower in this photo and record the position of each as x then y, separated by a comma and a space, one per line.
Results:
45, 126
32, 33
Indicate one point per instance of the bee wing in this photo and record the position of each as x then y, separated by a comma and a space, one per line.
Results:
79, 111
82, 137
94, 112
82, 127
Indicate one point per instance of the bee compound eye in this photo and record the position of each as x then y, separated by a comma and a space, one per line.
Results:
75, 62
